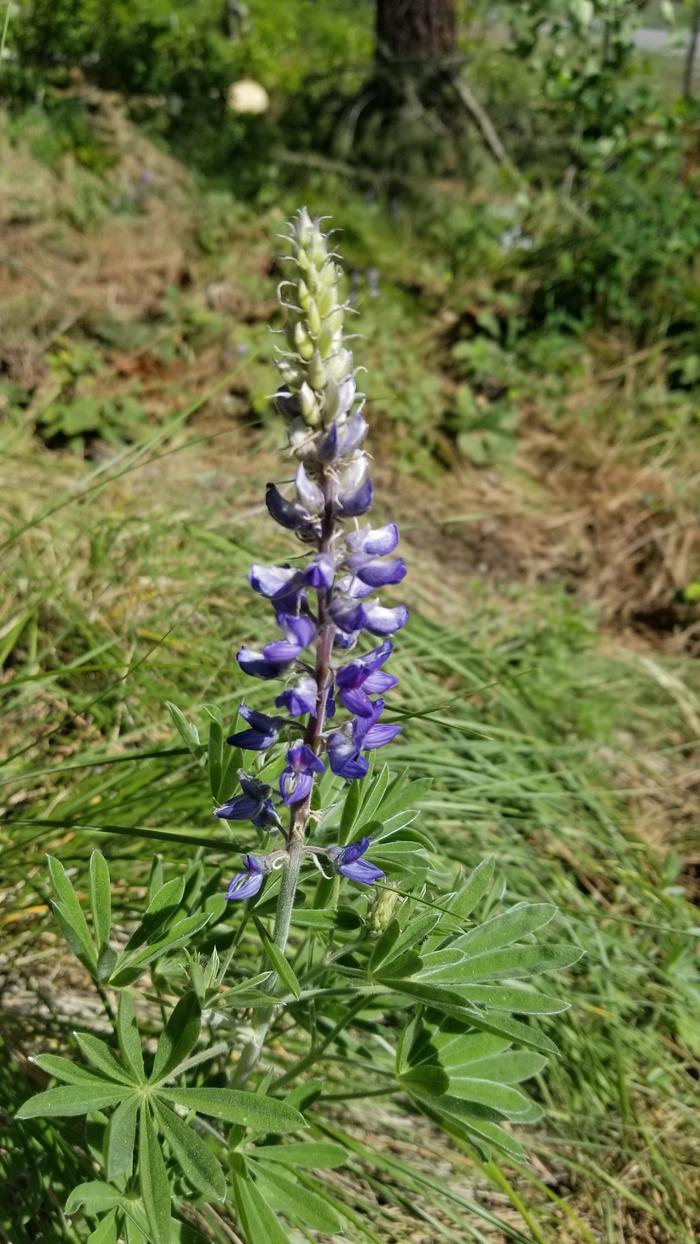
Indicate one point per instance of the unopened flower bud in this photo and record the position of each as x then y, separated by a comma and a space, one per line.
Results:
317, 372
381, 911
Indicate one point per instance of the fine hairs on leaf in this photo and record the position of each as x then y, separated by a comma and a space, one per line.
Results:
344, 959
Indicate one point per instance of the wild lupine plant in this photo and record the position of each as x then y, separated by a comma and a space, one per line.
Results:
333, 959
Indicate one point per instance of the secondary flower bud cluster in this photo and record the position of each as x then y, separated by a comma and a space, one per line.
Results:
325, 604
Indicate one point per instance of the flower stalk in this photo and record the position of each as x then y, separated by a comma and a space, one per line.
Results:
329, 604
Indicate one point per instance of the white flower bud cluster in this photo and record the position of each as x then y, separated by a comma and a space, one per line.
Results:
316, 368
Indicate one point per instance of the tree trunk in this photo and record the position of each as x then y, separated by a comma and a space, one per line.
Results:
418, 32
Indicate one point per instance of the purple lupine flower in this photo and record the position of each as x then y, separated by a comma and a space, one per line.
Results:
363, 677
375, 571
349, 863
255, 804
290, 515
326, 600
263, 730
249, 882
298, 777
259, 666
380, 621
366, 734
369, 733
342, 439
354, 504
376, 541
345, 758
301, 698
298, 633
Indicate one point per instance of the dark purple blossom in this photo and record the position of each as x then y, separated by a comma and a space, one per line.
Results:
254, 805
345, 747
258, 666
290, 515
297, 778
248, 883
263, 730
349, 863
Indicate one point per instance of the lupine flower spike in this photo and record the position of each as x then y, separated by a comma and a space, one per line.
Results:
325, 604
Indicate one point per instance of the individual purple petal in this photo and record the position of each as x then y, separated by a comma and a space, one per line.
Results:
356, 672
321, 572
362, 871
263, 732
298, 632
240, 808
297, 629
352, 505
295, 786
296, 780
308, 491
356, 700
380, 735
300, 756
301, 698
380, 621
345, 639
354, 850
347, 614
376, 572
348, 585
379, 682
271, 580
258, 665
349, 862
342, 438
247, 884
375, 541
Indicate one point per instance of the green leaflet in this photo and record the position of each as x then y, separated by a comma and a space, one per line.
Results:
94, 1197
262, 1114
71, 1099
128, 1036
101, 1056
100, 899
121, 1136
194, 1157
313, 1154
259, 1223
153, 1177
178, 1037
295, 1201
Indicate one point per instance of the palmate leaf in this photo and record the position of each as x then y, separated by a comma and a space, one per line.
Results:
95, 1197
103, 1059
